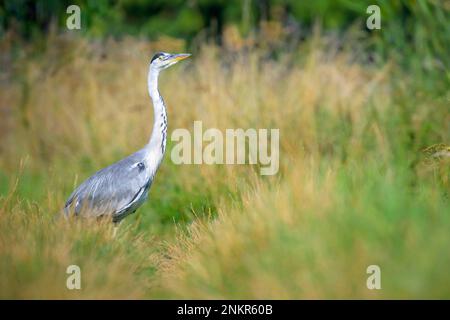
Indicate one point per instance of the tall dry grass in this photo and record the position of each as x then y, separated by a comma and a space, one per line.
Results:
353, 187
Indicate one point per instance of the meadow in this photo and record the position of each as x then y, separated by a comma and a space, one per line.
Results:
363, 177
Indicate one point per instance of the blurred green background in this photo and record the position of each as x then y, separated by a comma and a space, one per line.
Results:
417, 28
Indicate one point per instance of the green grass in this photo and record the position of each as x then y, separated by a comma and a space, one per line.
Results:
354, 189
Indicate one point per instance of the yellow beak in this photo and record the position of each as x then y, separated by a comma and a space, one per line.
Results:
180, 56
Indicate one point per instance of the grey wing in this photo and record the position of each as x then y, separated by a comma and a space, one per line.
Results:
118, 189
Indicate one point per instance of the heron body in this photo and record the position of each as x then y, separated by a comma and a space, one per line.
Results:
119, 189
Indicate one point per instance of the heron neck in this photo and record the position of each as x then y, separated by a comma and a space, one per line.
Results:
157, 141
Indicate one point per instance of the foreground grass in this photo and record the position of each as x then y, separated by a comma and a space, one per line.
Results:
316, 240
354, 188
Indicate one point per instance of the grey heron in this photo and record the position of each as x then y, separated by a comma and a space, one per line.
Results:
119, 189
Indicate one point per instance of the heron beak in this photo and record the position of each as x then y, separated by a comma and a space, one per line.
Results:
180, 56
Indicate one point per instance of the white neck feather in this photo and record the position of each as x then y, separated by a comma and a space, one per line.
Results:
157, 144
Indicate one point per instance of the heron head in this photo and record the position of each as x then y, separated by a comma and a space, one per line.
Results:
163, 60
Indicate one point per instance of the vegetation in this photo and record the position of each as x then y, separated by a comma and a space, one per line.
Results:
364, 166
